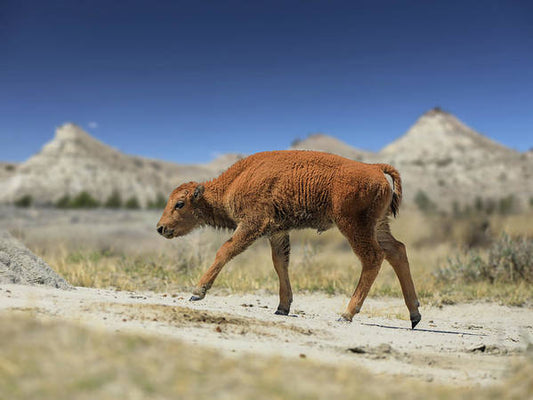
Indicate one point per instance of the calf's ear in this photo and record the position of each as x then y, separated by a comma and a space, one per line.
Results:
198, 192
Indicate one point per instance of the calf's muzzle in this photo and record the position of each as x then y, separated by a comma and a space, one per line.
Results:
164, 231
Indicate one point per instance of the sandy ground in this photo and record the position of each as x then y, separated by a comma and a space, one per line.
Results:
466, 344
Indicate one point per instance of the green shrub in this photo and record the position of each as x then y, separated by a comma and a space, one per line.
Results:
132, 203
476, 232
456, 209
159, 203
509, 260
63, 202
507, 205
114, 200
490, 206
424, 203
478, 204
24, 201
84, 200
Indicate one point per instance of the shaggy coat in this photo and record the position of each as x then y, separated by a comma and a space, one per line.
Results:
270, 193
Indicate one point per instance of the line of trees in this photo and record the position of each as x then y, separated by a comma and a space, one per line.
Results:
480, 206
85, 200
503, 206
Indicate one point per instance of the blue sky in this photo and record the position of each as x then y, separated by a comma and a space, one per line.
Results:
186, 80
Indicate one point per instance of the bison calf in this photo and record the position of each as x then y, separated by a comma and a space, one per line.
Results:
270, 193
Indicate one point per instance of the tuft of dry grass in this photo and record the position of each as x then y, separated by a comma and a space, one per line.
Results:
60, 360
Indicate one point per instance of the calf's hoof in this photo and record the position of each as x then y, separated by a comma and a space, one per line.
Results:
281, 311
415, 319
198, 293
345, 318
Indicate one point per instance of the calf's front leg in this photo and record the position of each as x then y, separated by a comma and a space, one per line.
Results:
243, 237
281, 249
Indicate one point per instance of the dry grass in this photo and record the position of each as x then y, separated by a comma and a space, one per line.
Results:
59, 360
318, 262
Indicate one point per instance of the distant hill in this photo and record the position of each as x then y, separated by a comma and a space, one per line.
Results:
329, 144
439, 155
75, 161
447, 160
452, 162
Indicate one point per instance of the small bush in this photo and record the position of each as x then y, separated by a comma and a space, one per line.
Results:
478, 204
24, 201
456, 209
507, 205
476, 233
490, 206
114, 200
467, 268
63, 202
84, 200
132, 203
509, 261
424, 203
159, 203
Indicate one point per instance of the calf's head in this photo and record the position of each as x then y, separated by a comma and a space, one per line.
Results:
179, 217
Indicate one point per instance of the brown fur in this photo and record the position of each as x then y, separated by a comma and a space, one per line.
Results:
270, 193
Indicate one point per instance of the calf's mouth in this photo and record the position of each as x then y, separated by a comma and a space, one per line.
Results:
165, 232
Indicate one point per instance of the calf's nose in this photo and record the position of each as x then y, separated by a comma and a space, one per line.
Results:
160, 229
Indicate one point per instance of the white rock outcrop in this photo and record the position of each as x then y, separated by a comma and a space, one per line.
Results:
74, 161
447, 160
20, 266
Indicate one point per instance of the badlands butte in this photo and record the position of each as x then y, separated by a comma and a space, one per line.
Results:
439, 155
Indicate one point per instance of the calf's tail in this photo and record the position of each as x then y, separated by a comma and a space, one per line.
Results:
396, 184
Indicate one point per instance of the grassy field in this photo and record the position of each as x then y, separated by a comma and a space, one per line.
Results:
318, 262
59, 360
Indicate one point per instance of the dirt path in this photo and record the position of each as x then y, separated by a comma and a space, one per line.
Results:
465, 344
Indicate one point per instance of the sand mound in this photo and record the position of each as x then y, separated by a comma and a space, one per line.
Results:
19, 265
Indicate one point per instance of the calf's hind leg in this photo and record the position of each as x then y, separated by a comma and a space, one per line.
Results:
366, 247
281, 249
396, 255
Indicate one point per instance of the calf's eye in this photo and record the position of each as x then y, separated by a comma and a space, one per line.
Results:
179, 204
